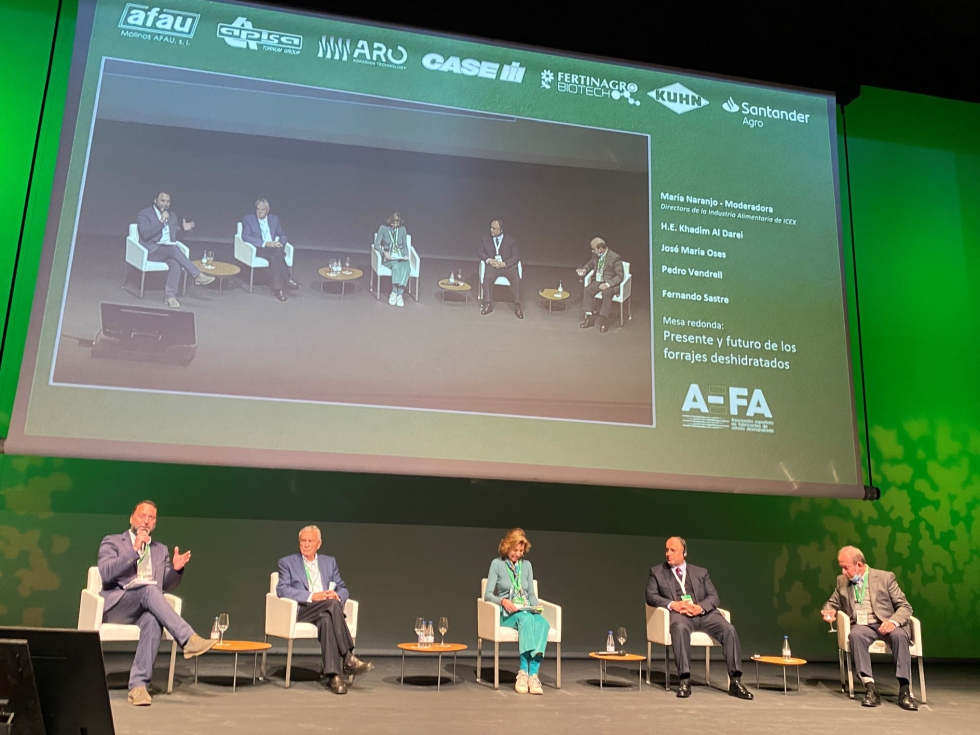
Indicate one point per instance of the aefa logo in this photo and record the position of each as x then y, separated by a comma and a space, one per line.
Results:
334, 48
731, 401
241, 34
678, 98
140, 18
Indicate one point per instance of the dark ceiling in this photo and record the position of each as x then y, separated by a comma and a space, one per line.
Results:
927, 47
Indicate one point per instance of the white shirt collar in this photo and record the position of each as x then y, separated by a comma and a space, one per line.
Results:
682, 567
310, 562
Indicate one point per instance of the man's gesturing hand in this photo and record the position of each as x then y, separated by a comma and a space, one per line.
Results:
180, 560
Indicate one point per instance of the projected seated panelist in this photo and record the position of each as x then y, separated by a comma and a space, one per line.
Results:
159, 229
608, 269
391, 241
264, 231
499, 259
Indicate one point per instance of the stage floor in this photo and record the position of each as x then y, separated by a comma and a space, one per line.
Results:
378, 704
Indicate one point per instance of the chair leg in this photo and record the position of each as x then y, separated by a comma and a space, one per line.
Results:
496, 665
479, 660
558, 678
840, 666
850, 676
183, 291
251, 277
142, 283
666, 668
649, 659
620, 313
922, 680
289, 660
707, 666
173, 662
265, 640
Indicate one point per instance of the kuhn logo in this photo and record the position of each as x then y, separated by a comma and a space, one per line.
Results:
730, 401
143, 18
678, 98
241, 34
512, 72
334, 48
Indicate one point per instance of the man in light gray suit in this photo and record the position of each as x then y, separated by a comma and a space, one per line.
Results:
136, 571
878, 611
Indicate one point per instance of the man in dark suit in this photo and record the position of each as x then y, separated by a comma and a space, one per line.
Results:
687, 591
136, 572
315, 583
608, 269
264, 231
500, 255
878, 611
159, 229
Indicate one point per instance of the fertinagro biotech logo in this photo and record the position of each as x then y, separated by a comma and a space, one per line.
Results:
678, 98
241, 34
588, 86
154, 23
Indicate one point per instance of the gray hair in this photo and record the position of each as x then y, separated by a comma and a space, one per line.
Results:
319, 536
853, 553
261, 201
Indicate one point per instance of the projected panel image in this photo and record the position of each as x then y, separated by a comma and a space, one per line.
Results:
334, 167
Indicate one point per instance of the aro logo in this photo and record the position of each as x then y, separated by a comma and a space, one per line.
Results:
731, 400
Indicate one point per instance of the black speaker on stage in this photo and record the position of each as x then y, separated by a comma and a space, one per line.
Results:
146, 334
70, 678
20, 707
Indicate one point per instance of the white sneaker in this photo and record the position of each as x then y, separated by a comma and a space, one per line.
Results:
172, 302
400, 301
521, 686
534, 685
392, 298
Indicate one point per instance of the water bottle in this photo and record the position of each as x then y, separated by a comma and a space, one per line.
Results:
215, 633
452, 278
560, 290
787, 654
610, 643
430, 635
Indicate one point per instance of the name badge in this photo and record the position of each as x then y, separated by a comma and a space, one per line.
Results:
687, 598
519, 601
862, 617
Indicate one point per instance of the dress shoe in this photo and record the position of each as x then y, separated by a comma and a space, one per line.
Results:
353, 665
337, 685
140, 697
487, 308
684, 688
196, 645
906, 700
603, 328
871, 696
737, 689
519, 312
589, 322
203, 279
172, 302
281, 295
292, 284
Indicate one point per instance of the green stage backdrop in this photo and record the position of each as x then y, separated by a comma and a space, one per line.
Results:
915, 187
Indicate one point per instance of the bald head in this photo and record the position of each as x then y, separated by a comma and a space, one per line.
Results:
851, 562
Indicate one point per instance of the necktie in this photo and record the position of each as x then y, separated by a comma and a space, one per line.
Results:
680, 576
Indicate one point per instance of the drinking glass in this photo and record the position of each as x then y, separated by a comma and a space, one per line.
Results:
419, 626
833, 628
443, 627
621, 637
347, 265
223, 622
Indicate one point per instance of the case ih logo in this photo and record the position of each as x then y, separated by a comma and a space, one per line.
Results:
678, 98
143, 19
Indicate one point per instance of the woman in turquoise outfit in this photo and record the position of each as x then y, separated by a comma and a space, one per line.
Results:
510, 584
392, 241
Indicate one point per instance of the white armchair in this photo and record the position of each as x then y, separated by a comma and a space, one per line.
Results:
620, 295
844, 651
280, 622
488, 628
499, 280
248, 255
91, 609
139, 258
658, 631
379, 269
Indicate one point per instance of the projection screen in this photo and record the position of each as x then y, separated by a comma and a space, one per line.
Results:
608, 273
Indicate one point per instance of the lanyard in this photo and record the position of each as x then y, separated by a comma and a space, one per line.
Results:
601, 264
309, 579
393, 234
515, 581
862, 588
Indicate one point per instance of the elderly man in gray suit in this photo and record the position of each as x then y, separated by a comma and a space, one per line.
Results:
136, 571
609, 273
878, 611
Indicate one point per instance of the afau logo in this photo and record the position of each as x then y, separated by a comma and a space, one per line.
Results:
334, 48
587, 86
678, 98
143, 21
241, 34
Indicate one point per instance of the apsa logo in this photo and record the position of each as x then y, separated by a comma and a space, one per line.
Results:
242, 34
141, 19
678, 98
731, 401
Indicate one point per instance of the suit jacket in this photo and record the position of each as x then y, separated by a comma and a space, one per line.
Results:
150, 228
887, 599
508, 250
252, 233
612, 268
663, 587
294, 585
117, 567
382, 240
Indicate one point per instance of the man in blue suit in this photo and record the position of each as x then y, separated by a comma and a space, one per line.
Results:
264, 231
136, 572
315, 583
158, 230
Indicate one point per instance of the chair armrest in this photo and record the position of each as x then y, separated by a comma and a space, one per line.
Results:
487, 620
843, 630
351, 608
280, 616
175, 602
184, 249
90, 610
658, 625
588, 277
727, 615
244, 251
375, 258
136, 254
916, 629
414, 261
626, 288
288, 250
552, 613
